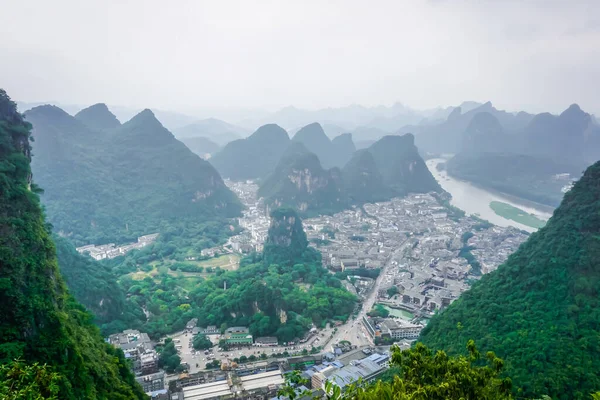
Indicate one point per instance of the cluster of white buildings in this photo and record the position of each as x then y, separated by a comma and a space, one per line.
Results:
111, 250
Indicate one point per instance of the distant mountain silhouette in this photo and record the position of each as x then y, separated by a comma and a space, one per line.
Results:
570, 136
201, 145
98, 117
254, 157
401, 167
343, 148
363, 181
446, 137
316, 141
214, 129
118, 184
526, 163
484, 134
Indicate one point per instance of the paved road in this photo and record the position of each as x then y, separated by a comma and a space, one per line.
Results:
354, 331
198, 360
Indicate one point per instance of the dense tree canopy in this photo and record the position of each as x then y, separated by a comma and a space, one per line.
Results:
169, 359
92, 283
201, 342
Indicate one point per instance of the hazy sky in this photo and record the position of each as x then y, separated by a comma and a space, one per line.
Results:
183, 55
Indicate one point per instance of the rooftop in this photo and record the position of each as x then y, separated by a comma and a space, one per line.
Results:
262, 380
207, 391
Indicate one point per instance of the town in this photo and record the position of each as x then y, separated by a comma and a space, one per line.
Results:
405, 260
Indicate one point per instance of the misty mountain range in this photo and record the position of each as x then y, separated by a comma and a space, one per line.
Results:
364, 122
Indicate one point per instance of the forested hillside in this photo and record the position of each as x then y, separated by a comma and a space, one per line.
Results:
40, 322
92, 283
540, 310
113, 185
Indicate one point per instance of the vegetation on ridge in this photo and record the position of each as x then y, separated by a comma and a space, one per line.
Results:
40, 322
540, 310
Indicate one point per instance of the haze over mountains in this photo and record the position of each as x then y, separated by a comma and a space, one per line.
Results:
391, 167
111, 182
523, 155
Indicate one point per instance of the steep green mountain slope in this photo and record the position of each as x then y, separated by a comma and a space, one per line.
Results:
92, 283
540, 310
402, 168
363, 182
98, 117
115, 185
254, 157
299, 181
40, 321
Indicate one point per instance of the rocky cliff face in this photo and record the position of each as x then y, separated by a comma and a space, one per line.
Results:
299, 181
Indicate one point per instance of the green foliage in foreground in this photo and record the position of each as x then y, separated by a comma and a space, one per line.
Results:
426, 375
39, 320
540, 310
19, 381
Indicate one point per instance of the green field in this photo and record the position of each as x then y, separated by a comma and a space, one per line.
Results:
516, 214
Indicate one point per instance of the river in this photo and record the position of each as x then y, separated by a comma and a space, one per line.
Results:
473, 199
